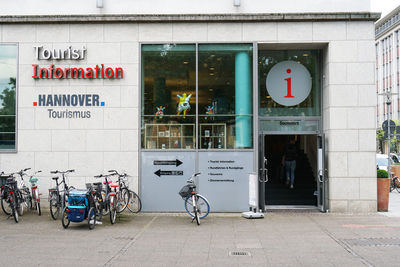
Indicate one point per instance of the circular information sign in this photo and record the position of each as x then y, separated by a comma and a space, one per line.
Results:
289, 83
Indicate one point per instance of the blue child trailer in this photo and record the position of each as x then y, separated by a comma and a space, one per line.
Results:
79, 209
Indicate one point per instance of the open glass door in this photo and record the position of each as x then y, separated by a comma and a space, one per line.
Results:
321, 179
262, 171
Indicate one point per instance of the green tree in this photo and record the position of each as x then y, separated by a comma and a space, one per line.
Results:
7, 98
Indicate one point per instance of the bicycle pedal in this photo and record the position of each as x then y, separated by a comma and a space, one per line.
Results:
98, 222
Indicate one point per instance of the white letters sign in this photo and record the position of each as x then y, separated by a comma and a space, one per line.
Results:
289, 83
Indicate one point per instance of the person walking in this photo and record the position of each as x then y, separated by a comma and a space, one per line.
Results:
289, 161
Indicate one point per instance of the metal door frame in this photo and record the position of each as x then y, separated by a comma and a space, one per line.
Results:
322, 180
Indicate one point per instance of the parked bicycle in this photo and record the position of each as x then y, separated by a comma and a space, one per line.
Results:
12, 200
196, 205
35, 192
30, 195
58, 198
106, 200
395, 184
130, 199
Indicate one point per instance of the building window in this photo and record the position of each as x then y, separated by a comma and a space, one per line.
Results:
8, 78
308, 58
219, 117
168, 96
225, 96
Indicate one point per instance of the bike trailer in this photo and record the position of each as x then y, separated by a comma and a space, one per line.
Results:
78, 205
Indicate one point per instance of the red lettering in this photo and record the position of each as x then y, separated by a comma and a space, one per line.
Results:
34, 76
108, 71
60, 73
289, 87
119, 72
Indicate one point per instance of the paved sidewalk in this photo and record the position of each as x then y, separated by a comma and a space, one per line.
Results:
281, 239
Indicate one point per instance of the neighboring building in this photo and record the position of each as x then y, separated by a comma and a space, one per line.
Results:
97, 88
387, 66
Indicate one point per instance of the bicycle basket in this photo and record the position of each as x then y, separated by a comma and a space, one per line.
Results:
186, 191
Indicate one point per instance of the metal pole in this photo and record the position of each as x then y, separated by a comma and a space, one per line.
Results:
388, 102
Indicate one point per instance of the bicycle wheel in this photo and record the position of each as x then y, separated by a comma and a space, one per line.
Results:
5, 206
120, 203
397, 185
203, 208
195, 209
134, 203
113, 211
54, 208
391, 185
14, 209
39, 211
20, 206
92, 218
105, 203
64, 220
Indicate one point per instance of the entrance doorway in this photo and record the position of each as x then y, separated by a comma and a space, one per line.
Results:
278, 192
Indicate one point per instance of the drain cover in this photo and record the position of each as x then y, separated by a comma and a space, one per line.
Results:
373, 242
239, 253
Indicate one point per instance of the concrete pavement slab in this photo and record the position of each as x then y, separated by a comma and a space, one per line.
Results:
150, 239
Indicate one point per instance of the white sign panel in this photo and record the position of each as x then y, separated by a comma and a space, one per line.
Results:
289, 83
253, 190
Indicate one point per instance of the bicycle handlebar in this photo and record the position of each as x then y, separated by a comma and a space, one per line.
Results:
62, 172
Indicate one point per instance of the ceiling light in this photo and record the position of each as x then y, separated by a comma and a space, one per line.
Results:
99, 4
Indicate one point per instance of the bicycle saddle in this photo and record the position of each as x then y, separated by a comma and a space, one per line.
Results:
99, 183
114, 185
55, 178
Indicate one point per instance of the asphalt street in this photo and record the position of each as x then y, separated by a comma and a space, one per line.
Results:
282, 238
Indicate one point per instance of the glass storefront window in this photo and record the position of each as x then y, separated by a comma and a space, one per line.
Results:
8, 74
225, 96
168, 96
311, 60
224, 101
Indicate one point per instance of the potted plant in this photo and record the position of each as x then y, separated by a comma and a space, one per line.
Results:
383, 190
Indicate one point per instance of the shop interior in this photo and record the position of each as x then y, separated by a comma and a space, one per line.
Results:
277, 192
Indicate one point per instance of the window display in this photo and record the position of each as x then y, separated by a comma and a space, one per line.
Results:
8, 82
223, 107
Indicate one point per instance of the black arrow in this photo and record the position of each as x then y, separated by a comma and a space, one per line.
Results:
160, 172
176, 162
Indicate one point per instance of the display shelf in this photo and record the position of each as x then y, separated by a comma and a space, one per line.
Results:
169, 136
212, 136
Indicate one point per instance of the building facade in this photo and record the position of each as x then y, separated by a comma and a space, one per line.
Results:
387, 66
163, 91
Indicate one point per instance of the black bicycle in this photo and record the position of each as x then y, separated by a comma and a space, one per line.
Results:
58, 198
11, 199
395, 184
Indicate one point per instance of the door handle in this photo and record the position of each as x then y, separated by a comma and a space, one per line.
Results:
320, 175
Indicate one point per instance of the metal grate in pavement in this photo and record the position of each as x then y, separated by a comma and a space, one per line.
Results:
239, 253
373, 242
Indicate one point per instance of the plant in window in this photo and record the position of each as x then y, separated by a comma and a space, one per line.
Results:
183, 104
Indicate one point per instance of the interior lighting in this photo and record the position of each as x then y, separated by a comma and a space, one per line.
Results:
236, 2
305, 55
185, 62
212, 68
99, 3
211, 74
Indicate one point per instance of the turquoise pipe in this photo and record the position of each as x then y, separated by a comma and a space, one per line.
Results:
243, 100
